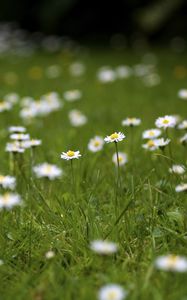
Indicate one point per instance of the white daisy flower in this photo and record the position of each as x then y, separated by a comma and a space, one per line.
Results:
77, 69
47, 170
161, 143
70, 155
14, 147
112, 292
1, 262
114, 137
103, 247
166, 122
12, 98
183, 125
53, 71
49, 254
171, 263
96, 144
106, 74
77, 118
181, 188
8, 200
131, 122
183, 139
7, 182
20, 136
122, 158
123, 72
16, 129
182, 94
4, 106
30, 144
150, 145
151, 134
73, 95
177, 169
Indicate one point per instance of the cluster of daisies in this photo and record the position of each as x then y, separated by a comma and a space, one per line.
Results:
146, 71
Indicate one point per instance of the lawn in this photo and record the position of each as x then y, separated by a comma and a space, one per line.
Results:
139, 210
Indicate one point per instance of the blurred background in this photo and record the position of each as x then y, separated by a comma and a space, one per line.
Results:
155, 21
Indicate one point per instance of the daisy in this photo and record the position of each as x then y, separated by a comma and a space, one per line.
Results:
171, 263
183, 94
114, 137
70, 155
73, 95
77, 69
77, 118
4, 106
14, 147
122, 158
161, 143
47, 170
131, 122
177, 169
103, 247
112, 292
106, 74
49, 254
7, 182
96, 144
183, 139
151, 134
181, 188
20, 136
8, 200
183, 125
123, 72
16, 129
165, 122
30, 143
12, 98
150, 145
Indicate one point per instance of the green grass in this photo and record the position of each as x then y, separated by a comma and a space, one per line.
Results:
150, 219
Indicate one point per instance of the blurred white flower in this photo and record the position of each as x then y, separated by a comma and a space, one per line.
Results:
96, 144
9, 200
20, 136
150, 145
7, 182
122, 158
183, 125
171, 262
131, 122
16, 129
177, 169
106, 74
182, 94
70, 155
183, 139
47, 170
103, 247
72, 95
14, 147
77, 69
5, 105
12, 98
53, 71
151, 134
112, 292
114, 137
161, 143
123, 72
165, 122
77, 118
49, 254
181, 188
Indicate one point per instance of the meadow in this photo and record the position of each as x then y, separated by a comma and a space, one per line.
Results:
45, 242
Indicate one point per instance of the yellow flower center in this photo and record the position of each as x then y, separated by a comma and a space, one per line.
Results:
151, 133
112, 295
1, 178
150, 143
6, 198
96, 143
172, 260
70, 153
120, 158
165, 121
48, 168
114, 136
